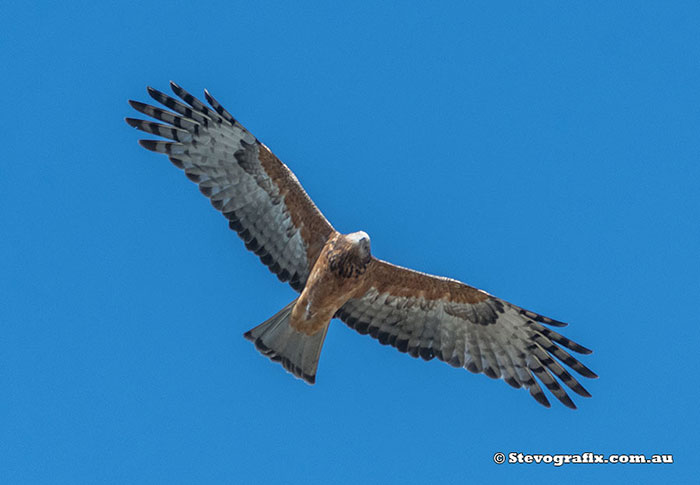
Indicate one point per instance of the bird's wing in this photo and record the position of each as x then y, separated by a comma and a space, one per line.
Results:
429, 316
258, 194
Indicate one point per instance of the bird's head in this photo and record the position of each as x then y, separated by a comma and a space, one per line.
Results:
361, 244
349, 254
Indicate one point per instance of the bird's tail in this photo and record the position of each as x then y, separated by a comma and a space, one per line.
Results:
296, 351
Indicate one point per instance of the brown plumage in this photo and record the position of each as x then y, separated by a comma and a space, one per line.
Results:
336, 275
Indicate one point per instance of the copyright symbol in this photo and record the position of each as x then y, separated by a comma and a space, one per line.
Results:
499, 458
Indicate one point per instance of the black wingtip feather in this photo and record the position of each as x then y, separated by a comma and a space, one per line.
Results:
512, 382
218, 108
193, 177
471, 367
581, 391
177, 162
149, 144
554, 323
182, 92
133, 122
153, 92
213, 102
491, 373
426, 353
583, 350
541, 398
582, 369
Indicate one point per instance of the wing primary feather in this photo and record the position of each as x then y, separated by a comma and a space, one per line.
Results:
166, 116
540, 318
220, 109
564, 356
194, 102
547, 361
560, 339
177, 106
550, 382
169, 147
159, 129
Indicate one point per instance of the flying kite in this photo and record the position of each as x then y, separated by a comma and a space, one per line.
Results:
336, 275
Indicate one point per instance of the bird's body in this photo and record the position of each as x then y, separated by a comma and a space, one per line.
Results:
337, 276
340, 273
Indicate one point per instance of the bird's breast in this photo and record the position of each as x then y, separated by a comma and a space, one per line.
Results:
325, 292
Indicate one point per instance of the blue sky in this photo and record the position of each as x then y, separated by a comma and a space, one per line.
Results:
546, 153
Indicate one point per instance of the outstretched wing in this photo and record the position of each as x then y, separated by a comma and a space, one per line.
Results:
429, 316
258, 194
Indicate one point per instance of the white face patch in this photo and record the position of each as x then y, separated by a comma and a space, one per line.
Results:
356, 237
360, 239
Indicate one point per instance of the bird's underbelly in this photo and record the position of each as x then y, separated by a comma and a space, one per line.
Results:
309, 318
319, 302
311, 315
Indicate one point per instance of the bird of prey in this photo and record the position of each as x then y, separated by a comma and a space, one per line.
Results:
336, 275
